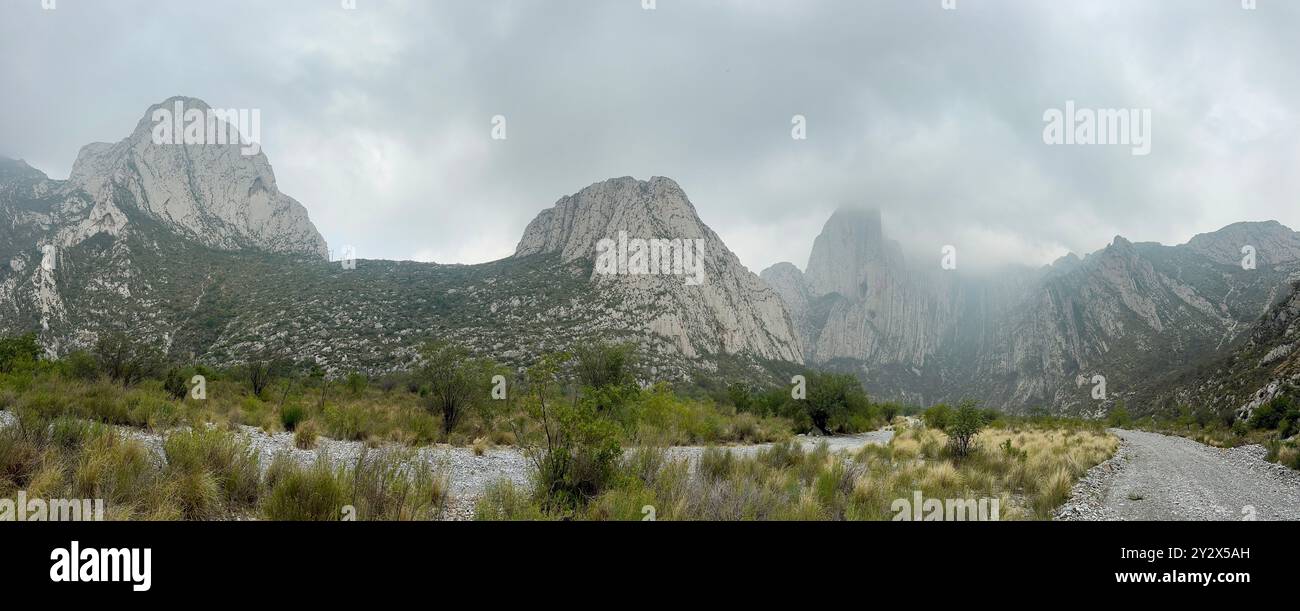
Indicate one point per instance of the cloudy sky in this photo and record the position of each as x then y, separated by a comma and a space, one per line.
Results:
378, 119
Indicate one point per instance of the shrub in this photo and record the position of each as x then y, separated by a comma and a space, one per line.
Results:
259, 372
963, 426
936, 416
175, 383
396, 485
503, 501
304, 437
349, 422
79, 365
19, 352
600, 365
124, 360
297, 494
715, 464
1118, 417
213, 466
575, 452
291, 415
454, 380
356, 383
835, 402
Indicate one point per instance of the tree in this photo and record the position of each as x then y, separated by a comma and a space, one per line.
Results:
833, 399
126, 362
176, 382
259, 372
18, 351
936, 416
575, 450
455, 381
357, 383
963, 425
1119, 417
740, 397
602, 364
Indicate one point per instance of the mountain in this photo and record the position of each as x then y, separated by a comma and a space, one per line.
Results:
1138, 314
730, 311
194, 248
1265, 365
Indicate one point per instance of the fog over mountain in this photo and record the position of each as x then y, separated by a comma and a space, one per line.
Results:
380, 117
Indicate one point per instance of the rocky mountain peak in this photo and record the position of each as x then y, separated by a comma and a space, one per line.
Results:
729, 311
1273, 242
850, 249
186, 165
657, 208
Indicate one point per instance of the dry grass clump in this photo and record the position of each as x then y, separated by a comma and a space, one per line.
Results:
1029, 472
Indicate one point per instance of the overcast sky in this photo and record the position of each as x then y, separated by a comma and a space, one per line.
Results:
378, 119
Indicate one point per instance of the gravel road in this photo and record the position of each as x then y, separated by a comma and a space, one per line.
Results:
1159, 477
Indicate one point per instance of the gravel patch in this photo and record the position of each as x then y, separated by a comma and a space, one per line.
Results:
838, 443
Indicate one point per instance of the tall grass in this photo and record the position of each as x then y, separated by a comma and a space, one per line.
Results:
1028, 470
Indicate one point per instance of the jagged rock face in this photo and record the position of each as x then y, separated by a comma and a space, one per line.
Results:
80, 254
1263, 367
213, 193
1137, 314
731, 311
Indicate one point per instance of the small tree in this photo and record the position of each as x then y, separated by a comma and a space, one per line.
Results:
18, 351
575, 450
832, 401
1119, 417
936, 416
125, 361
455, 381
740, 397
259, 372
175, 382
963, 425
601, 364
357, 383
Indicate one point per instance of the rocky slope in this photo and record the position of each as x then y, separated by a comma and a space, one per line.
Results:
214, 194
730, 310
1265, 365
194, 248
1139, 314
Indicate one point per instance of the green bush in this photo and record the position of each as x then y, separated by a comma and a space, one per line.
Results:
217, 470
836, 403
963, 425
576, 450
937, 416
356, 383
397, 485
291, 415
502, 501
296, 494
79, 365
126, 360
716, 464
176, 383
19, 353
